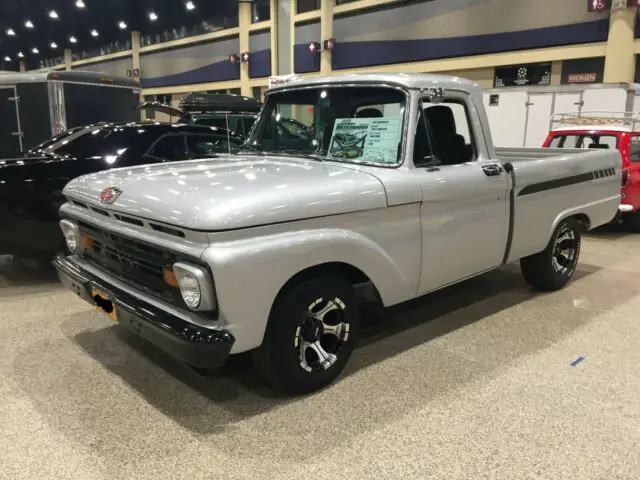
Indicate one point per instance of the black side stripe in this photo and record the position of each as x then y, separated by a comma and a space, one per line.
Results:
566, 181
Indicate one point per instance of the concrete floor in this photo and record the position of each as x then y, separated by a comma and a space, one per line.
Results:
472, 382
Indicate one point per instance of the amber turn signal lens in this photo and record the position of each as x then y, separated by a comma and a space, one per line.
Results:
170, 278
86, 242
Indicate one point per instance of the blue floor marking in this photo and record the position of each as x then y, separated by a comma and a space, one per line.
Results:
577, 361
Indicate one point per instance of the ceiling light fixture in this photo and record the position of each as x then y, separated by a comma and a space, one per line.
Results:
11, 32
153, 16
53, 14
7, 58
94, 33
122, 25
73, 39
35, 50
190, 5
53, 45
80, 4
28, 24
20, 55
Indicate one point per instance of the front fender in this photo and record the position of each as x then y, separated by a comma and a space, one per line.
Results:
250, 273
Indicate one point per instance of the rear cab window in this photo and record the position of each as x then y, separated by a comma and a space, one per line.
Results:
584, 140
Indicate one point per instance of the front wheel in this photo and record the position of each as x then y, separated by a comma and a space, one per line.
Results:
552, 268
310, 336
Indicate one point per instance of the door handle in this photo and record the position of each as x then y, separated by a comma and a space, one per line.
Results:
492, 170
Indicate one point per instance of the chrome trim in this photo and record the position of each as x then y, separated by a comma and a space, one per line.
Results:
208, 301
625, 208
351, 84
71, 226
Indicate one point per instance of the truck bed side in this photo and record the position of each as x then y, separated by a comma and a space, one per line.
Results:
552, 184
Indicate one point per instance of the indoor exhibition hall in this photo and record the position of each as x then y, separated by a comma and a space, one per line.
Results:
333, 239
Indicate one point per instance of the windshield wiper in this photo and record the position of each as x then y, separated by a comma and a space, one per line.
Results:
245, 147
300, 153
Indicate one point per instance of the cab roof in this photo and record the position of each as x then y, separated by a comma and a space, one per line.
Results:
408, 80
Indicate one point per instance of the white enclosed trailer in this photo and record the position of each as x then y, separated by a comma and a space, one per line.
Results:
521, 116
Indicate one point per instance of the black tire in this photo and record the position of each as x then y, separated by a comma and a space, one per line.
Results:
632, 222
551, 270
292, 328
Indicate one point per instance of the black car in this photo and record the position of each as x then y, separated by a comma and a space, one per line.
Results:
31, 186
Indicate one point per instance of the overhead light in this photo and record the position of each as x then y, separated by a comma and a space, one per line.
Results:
28, 24
122, 25
35, 50
94, 33
7, 58
20, 55
153, 16
190, 5
53, 14
80, 4
53, 45
11, 32
73, 39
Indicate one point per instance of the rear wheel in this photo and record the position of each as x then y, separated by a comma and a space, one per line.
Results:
310, 336
632, 221
552, 268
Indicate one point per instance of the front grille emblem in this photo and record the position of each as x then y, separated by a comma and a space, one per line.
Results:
109, 195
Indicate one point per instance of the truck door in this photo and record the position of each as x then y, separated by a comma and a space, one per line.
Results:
568, 102
464, 209
10, 133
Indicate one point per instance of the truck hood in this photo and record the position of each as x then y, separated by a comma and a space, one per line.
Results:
233, 192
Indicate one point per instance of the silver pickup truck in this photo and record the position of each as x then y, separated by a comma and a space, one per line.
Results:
391, 183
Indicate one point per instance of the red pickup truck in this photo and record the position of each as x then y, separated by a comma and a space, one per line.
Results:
606, 130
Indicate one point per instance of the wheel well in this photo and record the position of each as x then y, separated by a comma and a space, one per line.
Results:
584, 221
353, 275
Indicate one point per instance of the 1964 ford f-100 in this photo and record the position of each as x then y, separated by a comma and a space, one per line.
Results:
395, 184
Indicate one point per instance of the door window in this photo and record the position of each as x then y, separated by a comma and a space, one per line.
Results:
170, 147
634, 149
448, 138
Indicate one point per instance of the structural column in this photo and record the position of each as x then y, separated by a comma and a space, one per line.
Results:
244, 22
282, 36
326, 32
23, 66
135, 64
619, 65
68, 58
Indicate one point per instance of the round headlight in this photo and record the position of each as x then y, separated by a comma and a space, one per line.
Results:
196, 286
70, 232
189, 288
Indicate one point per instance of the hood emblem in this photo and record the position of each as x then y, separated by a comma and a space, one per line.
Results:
109, 195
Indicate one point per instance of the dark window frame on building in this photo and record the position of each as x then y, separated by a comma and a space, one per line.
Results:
522, 75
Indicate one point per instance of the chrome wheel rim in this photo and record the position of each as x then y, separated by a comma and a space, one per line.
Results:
565, 251
321, 334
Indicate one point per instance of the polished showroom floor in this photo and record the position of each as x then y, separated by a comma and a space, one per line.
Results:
482, 380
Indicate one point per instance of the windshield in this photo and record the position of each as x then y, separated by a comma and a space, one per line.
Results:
584, 140
359, 124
